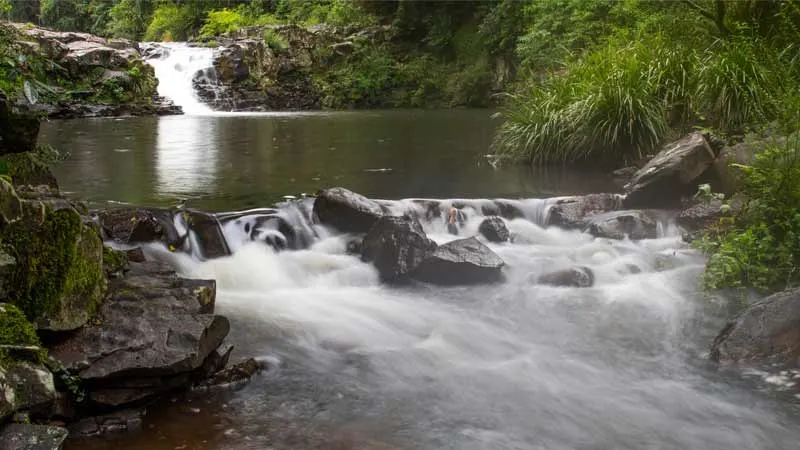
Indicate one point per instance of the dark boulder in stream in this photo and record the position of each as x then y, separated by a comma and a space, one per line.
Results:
463, 261
766, 332
575, 212
494, 229
636, 224
396, 245
346, 211
573, 277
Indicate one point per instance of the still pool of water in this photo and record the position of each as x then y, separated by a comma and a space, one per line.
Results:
220, 162
360, 365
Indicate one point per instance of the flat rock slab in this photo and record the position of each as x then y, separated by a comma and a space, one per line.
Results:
154, 325
574, 212
463, 261
17, 436
346, 211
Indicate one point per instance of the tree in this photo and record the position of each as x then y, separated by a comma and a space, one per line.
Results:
65, 15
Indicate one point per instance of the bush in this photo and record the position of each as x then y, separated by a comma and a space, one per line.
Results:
222, 21
170, 22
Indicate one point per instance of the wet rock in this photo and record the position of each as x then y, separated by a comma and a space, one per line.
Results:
354, 246
575, 212
140, 225
463, 261
702, 215
118, 422
234, 376
136, 255
346, 211
396, 246
32, 384
579, 277
19, 127
17, 436
209, 234
671, 174
621, 224
7, 267
623, 175
766, 332
494, 229
10, 206
151, 334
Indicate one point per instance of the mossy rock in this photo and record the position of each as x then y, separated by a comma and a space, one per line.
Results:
115, 262
27, 169
58, 280
15, 329
19, 128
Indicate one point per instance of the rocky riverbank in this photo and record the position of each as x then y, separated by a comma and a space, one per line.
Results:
65, 75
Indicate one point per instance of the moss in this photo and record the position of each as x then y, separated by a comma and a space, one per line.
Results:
15, 329
59, 265
27, 169
114, 261
9, 203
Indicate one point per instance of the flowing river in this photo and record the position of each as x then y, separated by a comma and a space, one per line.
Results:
358, 365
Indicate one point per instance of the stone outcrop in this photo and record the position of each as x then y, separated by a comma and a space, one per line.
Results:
463, 261
88, 76
346, 211
672, 174
766, 332
396, 245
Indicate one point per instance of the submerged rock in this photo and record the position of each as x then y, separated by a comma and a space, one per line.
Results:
346, 211
574, 277
396, 245
18, 436
494, 229
671, 174
575, 212
463, 261
621, 224
766, 332
118, 422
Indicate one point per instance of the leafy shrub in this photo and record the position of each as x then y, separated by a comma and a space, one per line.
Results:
170, 22
274, 40
222, 21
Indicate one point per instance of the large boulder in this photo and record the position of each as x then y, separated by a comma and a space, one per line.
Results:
58, 279
463, 261
27, 169
636, 224
494, 229
396, 245
34, 390
19, 436
766, 332
671, 174
19, 127
153, 332
573, 212
346, 211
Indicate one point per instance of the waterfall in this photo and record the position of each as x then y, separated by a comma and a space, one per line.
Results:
176, 65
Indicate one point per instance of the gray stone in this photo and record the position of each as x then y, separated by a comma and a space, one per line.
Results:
634, 224
346, 211
672, 174
17, 436
573, 277
396, 246
114, 423
463, 261
494, 229
766, 332
573, 212
19, 127
33, 386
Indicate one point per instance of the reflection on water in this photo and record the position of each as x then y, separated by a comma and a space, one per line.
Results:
229, 161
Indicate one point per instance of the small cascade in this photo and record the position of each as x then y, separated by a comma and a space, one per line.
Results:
177, 66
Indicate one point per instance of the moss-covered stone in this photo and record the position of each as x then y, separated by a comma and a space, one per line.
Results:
18, 127
15, 329
27, 169
115, 262
58, 280
9, 203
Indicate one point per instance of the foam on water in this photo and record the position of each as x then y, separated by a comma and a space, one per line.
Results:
175, 72
511, 366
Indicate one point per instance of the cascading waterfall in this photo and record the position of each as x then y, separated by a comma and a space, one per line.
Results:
176, 68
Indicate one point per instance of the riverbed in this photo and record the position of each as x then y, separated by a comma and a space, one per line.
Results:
358, 365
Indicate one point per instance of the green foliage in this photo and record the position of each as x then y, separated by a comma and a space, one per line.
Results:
16, 330
171, 22
222, 21
274, 40
66, 15
130, 18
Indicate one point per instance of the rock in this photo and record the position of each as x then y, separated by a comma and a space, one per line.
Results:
115, 262
19, 127
58, 280
766, 332
354, 246
579, 277
346, 211
33, 386
623, 175
8, 402
621, 224
117, 422
494, 229
28, 169
702, 215
208, 233
7, 267
671, 174
396, 246
574, 212
151, 334
463, 261
17, 436
234, 376
139, 225
10, 206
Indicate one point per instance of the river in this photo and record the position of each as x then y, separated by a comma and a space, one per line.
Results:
358, 365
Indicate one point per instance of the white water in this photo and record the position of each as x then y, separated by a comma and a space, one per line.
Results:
511, 366
175, 71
